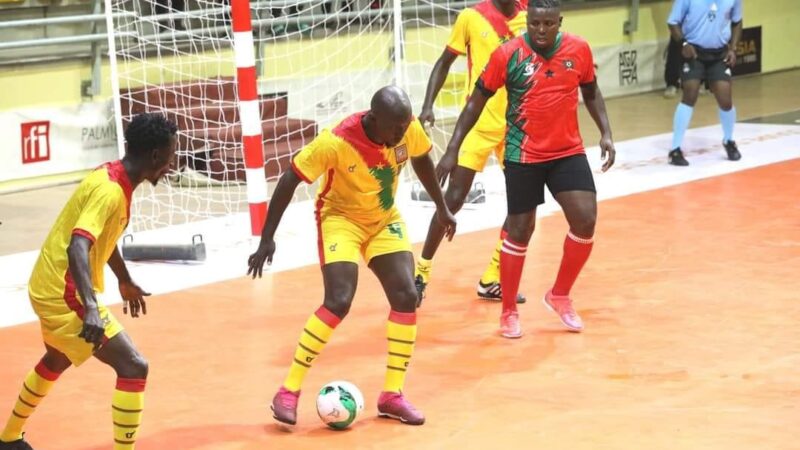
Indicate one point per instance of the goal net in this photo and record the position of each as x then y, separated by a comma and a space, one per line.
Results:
316, 60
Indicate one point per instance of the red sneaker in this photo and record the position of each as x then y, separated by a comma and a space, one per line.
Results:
284, 406
562, 305
395, 406
509, 325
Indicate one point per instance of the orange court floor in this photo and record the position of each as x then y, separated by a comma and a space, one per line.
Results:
692, 342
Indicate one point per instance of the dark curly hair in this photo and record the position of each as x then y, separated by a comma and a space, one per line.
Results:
544, 4
148, 131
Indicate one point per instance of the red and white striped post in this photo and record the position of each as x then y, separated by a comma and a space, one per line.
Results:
249, 113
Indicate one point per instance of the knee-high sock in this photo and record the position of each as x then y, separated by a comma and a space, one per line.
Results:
727, 119
319, 328
37, 384
492, 272
680, 123
576, 252
401, 331
512, 260
126, 411
424, 269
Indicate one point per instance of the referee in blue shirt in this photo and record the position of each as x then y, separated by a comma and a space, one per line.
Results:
709, 31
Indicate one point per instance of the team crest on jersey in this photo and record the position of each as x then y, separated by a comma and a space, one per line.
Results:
568, 64
401, 153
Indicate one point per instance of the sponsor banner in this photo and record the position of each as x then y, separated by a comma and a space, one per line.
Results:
49, 141
630, 68
748, 52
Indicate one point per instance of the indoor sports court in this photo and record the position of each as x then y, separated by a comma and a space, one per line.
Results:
689, 298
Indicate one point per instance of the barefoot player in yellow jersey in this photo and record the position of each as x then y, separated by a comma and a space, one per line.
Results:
69, 273
479, 30
360, 161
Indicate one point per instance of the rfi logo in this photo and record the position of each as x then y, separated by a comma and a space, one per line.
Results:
35, 142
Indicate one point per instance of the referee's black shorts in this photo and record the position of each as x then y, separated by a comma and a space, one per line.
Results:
525, 182
709, 65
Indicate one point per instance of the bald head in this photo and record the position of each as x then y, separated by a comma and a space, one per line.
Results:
391, 100
389, 116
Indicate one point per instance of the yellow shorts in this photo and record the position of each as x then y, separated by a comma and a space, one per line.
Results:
477, 147
344, 240
61, 324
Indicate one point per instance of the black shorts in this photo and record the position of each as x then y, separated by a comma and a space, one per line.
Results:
525, 182
709, 65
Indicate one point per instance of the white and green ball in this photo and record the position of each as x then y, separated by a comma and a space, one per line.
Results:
339, 403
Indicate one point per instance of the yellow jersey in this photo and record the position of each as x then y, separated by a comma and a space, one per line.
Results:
98, 210
360, 177
477, 33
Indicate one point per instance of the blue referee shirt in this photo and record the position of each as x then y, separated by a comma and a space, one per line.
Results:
706, 23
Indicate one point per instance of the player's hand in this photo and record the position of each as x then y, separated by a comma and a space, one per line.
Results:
447, 220
133, 297
689, 52
607, 152
446, 166
256, 261
427, 116
730, 58
92, 331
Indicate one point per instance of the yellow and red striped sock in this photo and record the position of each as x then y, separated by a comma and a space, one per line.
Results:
492, 272
37, 384
401, 331
318, 329
126, 411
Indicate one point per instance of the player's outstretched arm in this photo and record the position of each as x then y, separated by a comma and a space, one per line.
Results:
593, 99
466, 120
284, 192
78, 256
423, 167
435, 83
132, 294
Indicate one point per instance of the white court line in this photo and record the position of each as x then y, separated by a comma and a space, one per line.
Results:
641, 166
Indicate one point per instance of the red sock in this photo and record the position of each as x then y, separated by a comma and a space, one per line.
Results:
512, 259
576, 252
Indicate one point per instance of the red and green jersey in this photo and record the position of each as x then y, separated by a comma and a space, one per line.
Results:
542, 112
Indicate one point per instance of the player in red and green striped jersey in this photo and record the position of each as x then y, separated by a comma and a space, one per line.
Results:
542, 71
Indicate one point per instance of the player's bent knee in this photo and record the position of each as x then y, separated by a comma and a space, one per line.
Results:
454, 198
135, 366
404, 300
584, 226
56, 362
521, 232
338, 305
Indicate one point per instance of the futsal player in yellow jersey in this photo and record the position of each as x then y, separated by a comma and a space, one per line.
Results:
360, 161
478, 31
69, 272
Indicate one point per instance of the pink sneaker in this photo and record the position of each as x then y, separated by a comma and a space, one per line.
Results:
509, 325
284, 406
395, 406
562, 305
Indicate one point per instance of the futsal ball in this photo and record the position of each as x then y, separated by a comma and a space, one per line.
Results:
339, 403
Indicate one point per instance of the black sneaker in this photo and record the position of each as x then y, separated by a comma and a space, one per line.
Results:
732, 150
492, 291
676, 158
19, 444
420, 285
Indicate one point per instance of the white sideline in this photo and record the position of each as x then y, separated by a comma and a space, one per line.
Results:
641, 166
